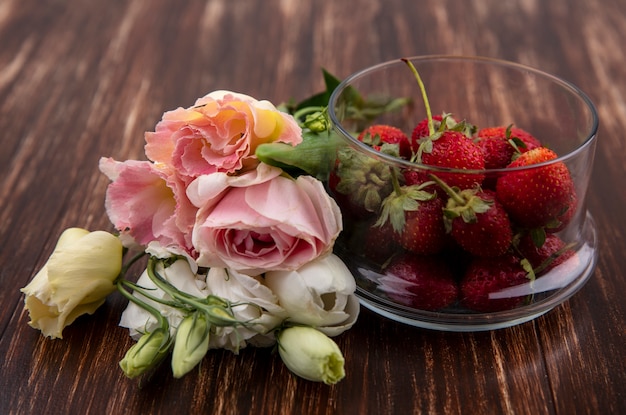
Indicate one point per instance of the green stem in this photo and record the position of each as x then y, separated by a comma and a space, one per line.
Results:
548, 261
164, 285
145, 292
129, 264
156, 313
395, 182
301, 113
219, 309
450, 191
429, 115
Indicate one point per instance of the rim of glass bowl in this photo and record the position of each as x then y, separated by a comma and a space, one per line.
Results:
591, 135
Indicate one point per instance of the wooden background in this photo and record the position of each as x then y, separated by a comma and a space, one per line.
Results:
83, 79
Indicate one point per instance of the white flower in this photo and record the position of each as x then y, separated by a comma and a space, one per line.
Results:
319, 294
182, 276
191, 344
311, 354
259, 308
75, 280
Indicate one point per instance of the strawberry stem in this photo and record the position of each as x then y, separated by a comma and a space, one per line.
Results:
429, 115
449, 191
395, 182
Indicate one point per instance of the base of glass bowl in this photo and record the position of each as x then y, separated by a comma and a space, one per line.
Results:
560, 289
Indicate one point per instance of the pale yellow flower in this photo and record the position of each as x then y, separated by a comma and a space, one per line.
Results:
191, 345
147, 353
311, 354
76, 280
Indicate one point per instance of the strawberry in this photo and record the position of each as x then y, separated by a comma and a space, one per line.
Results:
359, 183
485, 277
500, 145
380, 134
440, 123
424, 231
421, 130
477, 221
553, 251
449, 146
540, 197
425, 283
378, 242
452, 149
416, 218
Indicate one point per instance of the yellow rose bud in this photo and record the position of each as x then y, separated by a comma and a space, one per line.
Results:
268, 125
147, 353
191, 345
75, 280
311, 354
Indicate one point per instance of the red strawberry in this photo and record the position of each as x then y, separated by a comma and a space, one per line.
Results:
485, 277
421, 130
424, 231
452, 149
440, 123
538, 197
425, 283
448, 146
379, 243
379, 134
501, 144
552, 252
477, 221
416, 218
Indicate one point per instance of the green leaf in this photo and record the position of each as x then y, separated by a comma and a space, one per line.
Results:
315, 155
538, 236
530, 273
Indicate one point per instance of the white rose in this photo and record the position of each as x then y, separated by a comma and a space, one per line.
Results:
263, 315
319, 294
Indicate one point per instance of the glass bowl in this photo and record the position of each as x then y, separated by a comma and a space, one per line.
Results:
449, 282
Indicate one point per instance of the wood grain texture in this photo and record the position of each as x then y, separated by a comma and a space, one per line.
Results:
80, 80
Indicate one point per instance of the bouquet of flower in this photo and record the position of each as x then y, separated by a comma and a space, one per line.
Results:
238, 231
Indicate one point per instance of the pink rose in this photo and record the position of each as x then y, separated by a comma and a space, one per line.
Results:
149, 204
262, 221
220, 133
205, 191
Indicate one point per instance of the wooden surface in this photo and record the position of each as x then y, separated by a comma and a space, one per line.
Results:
83, 79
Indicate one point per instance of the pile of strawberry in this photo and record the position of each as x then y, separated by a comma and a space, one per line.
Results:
449, 239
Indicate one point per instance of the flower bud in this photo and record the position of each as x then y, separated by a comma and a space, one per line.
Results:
317, 122
147, 353
75, 280
311, 354
221, 316
191, 345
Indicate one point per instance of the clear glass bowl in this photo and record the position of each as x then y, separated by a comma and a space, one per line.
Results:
486, 93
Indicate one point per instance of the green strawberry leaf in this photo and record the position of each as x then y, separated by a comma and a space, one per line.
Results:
530, 273
538, 236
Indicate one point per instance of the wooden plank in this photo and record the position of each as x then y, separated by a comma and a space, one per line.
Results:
83, 80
